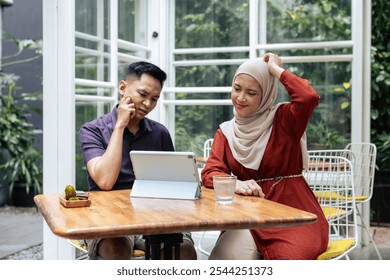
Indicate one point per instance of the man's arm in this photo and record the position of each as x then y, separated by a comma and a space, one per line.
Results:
104, 170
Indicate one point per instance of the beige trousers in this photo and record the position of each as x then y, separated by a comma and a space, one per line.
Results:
235, 245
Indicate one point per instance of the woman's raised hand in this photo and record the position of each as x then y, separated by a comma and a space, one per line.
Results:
274, 64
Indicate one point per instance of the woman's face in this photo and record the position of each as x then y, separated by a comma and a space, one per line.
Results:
246, 95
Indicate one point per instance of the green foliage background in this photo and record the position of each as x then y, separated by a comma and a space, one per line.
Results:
225, 23
222, 23
380, 81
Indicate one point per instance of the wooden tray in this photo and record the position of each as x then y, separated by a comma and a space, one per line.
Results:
75, 203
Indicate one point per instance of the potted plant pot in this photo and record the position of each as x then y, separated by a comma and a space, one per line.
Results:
22, 196
4, 195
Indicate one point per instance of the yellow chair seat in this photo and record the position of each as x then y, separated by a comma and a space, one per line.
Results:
360, 198
76, 243
332, 212
334, 196
79, 245
138, 253
329, 195
336, 248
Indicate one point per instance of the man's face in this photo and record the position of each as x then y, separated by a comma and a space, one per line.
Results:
144, 93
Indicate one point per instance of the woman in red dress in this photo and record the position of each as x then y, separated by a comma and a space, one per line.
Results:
265, 147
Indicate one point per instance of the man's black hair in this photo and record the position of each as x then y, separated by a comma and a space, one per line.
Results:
136, 69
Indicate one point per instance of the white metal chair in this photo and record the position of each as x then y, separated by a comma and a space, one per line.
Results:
331, 179
364, 166
206, 153
82, 250
207, 148
348, 154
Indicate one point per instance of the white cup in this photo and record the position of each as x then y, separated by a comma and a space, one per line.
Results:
224, 187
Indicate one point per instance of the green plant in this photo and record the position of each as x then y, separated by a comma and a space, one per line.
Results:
22, 45
203, 24
380, 82
19, 159
383, 150
320, 136
17, 143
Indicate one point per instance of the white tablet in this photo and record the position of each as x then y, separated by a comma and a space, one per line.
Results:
165, 175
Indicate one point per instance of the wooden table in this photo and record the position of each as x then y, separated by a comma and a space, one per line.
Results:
115, 213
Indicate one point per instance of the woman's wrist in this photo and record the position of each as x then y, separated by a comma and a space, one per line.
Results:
275, 70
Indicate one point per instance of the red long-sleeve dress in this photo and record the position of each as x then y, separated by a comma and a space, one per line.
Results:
282, 157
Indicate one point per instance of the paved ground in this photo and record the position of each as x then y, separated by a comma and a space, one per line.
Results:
20, 228
21, 237
382, 240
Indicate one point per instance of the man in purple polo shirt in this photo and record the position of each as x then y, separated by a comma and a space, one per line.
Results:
107, 141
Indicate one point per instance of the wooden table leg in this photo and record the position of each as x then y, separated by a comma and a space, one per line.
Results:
147, 247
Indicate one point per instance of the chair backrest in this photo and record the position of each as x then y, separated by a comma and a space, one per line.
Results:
364, 166
207, 148
331, 179
346, 153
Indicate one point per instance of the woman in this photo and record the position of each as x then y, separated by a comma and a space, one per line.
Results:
265, 147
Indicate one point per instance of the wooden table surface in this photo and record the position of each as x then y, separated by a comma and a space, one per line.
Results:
115, 213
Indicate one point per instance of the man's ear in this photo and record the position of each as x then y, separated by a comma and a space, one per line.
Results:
122, 87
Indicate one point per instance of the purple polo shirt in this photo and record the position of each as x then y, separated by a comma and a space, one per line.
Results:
95, 136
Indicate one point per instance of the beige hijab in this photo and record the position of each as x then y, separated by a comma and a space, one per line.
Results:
249, 136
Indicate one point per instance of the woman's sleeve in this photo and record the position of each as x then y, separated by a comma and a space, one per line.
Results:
304, 99
217, 163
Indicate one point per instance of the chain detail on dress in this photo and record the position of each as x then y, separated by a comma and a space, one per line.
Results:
279, 177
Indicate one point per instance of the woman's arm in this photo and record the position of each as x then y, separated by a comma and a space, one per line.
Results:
303, 96
274, 64
217, 164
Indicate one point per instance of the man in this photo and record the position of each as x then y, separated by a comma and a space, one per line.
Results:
107, 141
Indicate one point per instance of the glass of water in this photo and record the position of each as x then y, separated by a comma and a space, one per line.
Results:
224, 187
